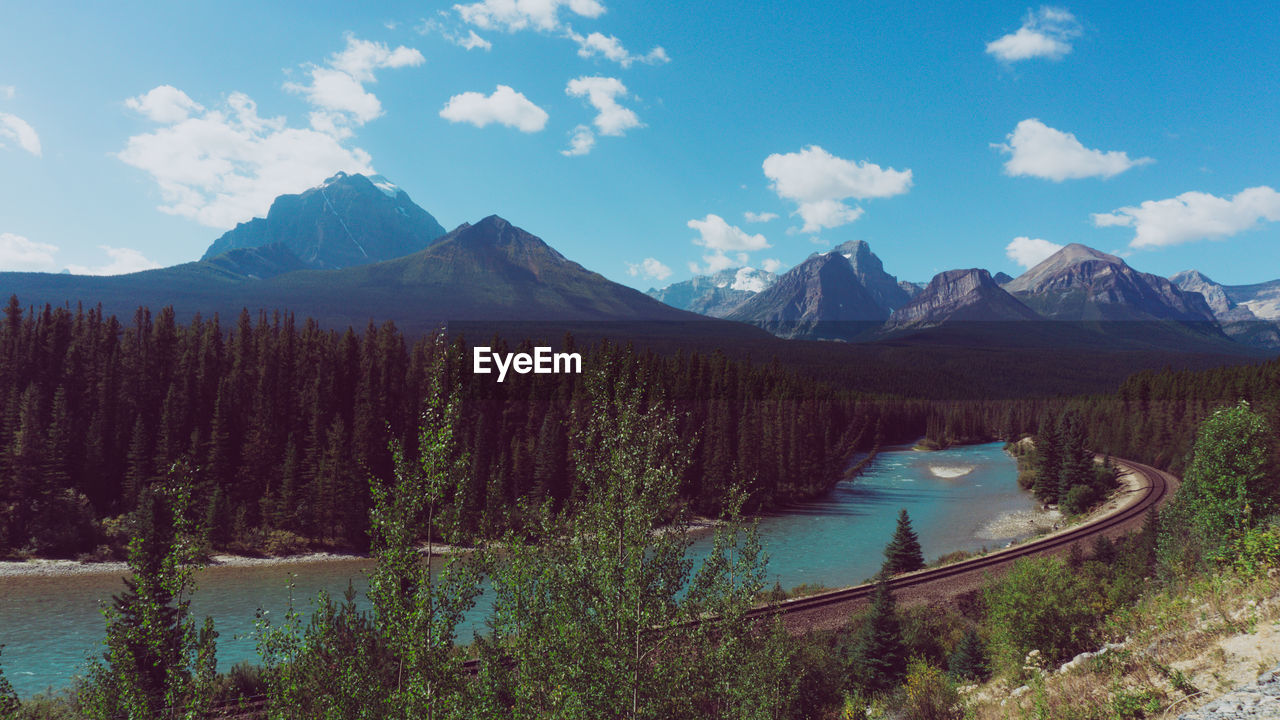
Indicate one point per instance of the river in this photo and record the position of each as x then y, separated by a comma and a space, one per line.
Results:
50, 625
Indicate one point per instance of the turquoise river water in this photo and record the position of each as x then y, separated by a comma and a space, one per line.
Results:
50, 625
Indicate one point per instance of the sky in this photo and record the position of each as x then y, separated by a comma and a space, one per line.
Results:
650, 141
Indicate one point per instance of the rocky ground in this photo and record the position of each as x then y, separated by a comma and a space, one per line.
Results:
1261, 699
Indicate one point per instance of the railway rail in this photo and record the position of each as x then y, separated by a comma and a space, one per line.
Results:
833, 609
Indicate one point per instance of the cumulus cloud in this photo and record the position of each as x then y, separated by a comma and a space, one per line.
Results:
513, 15
122, 261
716, 234
820, 183
164, 104
504, 106
1194, 216
337, 89
580, 142
649, 268
21, 254
610, 48
222, 165
727, 243
603, 93
772, 265
1037, 150
1029, 252
753, 217
225, 165
15, 129
1046, 33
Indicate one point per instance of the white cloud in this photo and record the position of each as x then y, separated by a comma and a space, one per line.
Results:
747, 279
1037, 150
15, 129
337, 89
1029, 252
8, 91
772, 265
1194, 216
581, 142
164, 104
123, 260
1046, 33
505, 107
513, 15
716, 234
602, 93
752, 217
20, 254
649, 268
470, 41
819, 183
717, 261
611, 48
225, 165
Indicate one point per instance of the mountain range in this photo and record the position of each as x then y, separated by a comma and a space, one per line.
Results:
1079, 286
357, 249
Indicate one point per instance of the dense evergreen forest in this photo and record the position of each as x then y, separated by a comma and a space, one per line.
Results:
1152, 417
283, 425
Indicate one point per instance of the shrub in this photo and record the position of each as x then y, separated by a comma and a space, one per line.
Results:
929, 694
1227, 486
1040, 605
1257, 550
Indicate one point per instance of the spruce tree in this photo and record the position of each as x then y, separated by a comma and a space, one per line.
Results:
903, 553
879, 657
1049, 454
1076, 462
969, 660
156, 660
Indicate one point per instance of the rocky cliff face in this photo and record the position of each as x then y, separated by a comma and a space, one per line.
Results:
959, 296
819, 298
1080, 283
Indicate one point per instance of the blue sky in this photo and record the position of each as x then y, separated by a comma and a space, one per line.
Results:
635, 137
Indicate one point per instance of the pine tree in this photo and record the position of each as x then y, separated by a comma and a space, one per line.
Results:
1076, 468
156, 661
879, 656
969, 660
903, 553
1049, 467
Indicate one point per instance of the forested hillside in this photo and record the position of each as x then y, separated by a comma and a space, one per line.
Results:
1152, 417
284, 423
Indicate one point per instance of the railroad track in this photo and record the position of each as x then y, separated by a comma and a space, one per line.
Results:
833, 609
830, 609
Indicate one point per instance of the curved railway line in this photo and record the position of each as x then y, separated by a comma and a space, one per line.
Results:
830, 610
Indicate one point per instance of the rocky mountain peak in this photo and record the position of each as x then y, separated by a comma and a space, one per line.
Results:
960, 295
347, 220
